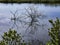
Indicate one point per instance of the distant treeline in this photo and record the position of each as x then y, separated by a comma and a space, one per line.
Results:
29, 1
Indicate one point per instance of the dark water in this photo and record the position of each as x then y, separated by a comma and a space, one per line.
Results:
42, 34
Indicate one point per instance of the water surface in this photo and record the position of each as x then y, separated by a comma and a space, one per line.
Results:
5, 23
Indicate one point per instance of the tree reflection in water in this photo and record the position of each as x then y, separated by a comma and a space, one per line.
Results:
15, 19
35, 17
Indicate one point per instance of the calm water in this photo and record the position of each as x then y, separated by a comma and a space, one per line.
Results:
42, 34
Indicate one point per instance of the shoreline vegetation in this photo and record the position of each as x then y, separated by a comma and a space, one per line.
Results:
31, 1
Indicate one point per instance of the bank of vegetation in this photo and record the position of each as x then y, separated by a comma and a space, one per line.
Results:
29, 1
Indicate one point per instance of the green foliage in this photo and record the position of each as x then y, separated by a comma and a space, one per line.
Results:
54, 32
2, 43
11, 38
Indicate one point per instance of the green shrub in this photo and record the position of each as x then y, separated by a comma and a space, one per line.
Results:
11, 38
54, 32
